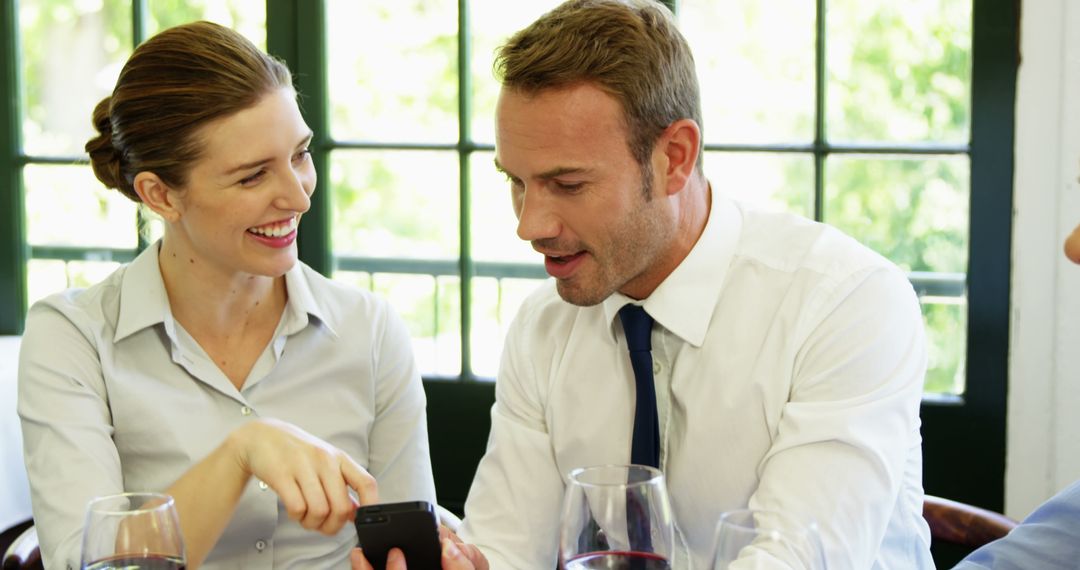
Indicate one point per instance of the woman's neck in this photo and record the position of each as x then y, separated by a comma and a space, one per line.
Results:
216, 304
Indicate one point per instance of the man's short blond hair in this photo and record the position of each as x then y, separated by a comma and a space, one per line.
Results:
631, 49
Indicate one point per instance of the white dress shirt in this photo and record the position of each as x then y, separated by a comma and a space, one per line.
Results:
115, 396
789, 364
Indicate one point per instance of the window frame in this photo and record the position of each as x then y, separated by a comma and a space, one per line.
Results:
962, 435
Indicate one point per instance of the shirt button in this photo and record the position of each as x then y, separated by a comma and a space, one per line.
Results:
656, 367
263, 485
260, 545
245, 411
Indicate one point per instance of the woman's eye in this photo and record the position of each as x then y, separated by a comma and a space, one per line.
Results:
300, 156
253, 178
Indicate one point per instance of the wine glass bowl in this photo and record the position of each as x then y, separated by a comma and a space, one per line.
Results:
616, 517
756, 538
132, 531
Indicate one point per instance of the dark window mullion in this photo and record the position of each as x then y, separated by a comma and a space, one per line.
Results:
980, 423
139, 11
138, 34
67, 253
296, 32
13, 249
847, 148
820, 145
464, 180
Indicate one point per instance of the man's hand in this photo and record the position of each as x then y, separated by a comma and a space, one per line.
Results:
456, 555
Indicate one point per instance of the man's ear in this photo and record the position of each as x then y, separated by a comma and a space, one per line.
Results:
157, 195
678, 146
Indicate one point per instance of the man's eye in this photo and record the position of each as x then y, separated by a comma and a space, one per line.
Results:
569, 186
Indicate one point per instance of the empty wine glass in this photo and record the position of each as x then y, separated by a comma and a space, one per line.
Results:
616, 517
759, 539
132, 531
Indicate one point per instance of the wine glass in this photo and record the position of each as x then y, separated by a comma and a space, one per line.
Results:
132, 531
616, 517
752, 538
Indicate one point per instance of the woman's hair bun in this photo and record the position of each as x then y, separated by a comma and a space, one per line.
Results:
105, 158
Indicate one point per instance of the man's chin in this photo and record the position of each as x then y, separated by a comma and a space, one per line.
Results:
581, 296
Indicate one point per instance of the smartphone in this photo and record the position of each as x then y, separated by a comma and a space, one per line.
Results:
410, 526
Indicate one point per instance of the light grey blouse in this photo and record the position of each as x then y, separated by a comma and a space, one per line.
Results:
115, 396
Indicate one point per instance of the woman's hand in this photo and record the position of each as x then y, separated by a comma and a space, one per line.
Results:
311, 477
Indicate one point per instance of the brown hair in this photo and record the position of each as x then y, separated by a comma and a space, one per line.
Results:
173, 84
630, 48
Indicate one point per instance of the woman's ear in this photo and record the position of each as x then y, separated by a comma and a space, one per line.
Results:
157, 195
679, 145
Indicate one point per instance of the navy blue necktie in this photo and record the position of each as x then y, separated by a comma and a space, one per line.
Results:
637, 324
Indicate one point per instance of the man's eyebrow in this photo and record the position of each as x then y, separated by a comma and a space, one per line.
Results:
561, 171
249, 165
547, 175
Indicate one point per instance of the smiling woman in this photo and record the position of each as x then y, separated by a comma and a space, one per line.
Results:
306, 392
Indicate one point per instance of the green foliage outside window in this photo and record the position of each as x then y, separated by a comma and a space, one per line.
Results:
897, 75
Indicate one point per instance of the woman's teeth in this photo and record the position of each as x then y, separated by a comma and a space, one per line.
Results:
275, 231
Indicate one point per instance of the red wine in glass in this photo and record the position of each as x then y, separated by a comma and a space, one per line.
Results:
618, 560
132, 531
147, 562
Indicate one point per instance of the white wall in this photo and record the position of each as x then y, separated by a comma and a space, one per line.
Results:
1044, 370
14, 490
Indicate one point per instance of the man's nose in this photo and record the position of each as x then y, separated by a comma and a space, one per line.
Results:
537, 217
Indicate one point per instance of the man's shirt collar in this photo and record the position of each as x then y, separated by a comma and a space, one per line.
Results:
684, 302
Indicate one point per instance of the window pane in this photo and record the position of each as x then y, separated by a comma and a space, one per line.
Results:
494, 225
360, 279
66, 205
431, 309
245, 16
48, 276
43, 278
393, 70
946, 340
487, 329
913, 211
395, 203
493, 22
495, 302
899, 71
72, 52
774, 181
755, 64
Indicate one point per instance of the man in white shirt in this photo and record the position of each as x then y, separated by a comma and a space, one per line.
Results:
787, 359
